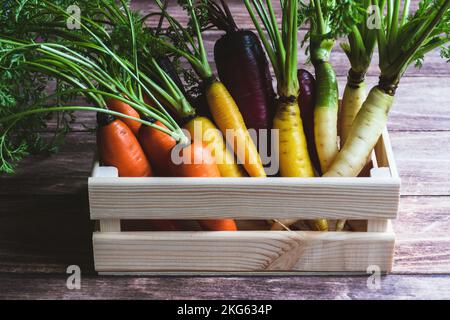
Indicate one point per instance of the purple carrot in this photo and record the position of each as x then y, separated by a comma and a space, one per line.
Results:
307, 101
243, 68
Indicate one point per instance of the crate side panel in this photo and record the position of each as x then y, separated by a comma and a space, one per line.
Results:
243, 198
242, 251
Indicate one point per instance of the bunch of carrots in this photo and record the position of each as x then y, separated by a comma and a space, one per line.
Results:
157, 98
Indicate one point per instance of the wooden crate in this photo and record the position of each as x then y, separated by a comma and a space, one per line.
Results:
373, 199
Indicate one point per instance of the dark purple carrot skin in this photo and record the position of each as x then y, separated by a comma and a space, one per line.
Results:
243, 68
306, 101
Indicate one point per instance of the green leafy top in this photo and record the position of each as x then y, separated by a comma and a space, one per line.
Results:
407, 38
84, 62
361, 43
186, 42
330, 19
281, 45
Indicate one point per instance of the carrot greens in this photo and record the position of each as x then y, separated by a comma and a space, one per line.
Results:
402, 40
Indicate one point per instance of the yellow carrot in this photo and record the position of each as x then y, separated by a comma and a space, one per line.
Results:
293, 151
201, 128
228, 117
282, 48
222, 106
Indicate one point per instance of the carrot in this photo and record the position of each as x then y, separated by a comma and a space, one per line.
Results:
197, 162
122, 107
118, 147
359, 50
282, 48
114, 139
243, 68
223, 108
212, 137
157, 146
202, 164
400, 43
306, 101
227, 116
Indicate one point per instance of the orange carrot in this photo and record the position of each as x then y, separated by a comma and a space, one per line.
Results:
122, 107
149, 225
202, 164
157, 146
118, 147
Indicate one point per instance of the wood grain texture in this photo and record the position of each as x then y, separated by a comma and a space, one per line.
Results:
31, 243
241, 198
242, 251
63, 173
111, 197
16, 286
42, 234
106, 225
423, 161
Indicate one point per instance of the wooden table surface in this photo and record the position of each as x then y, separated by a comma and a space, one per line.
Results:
45, 226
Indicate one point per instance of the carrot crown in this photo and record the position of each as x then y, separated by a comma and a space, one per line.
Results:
407, 38
220, 15
328, 20
192, 48
361, 43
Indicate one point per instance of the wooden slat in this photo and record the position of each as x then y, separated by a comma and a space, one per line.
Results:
385, 158
30, 242
380, 158
423, 218
243, 198
242, 251
45, 233
374, 198
63, 173
423, 256
106, 225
